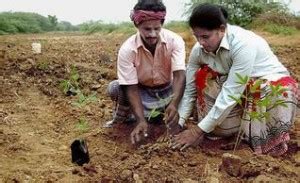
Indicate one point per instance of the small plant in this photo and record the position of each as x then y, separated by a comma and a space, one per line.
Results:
82, 125
84, 100
251, 96
71, 85
155, 113
44, 65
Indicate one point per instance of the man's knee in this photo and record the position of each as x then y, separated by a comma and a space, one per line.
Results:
113, 90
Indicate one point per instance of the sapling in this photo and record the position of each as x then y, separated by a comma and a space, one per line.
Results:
79, 149
155, 113
70, 86
82, 125
43, 65
251, 96
84, 100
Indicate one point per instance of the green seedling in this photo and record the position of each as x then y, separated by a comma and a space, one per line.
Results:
82, 125
44, 65
155, 113
84, 100
251, 96
70, 86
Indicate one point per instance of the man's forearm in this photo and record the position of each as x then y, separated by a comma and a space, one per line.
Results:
178, 87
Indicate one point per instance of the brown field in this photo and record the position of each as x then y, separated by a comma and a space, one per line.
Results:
38, 122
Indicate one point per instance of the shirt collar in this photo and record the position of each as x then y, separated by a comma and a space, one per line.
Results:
224, 43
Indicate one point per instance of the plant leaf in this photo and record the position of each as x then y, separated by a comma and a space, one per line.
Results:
241, 79
237, 100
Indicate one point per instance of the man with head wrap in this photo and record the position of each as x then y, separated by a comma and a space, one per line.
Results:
151, 71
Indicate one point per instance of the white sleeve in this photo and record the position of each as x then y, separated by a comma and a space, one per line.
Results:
243, 58
190, 93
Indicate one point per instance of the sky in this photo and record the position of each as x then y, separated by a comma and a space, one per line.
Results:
79, 11
109, 11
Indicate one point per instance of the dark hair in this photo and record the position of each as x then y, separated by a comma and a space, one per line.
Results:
150, 5
208, 16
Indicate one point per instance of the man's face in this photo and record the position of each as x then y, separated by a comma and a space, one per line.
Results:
209, 39
149, 31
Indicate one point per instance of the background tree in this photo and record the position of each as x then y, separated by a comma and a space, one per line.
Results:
53, 21
21, 22
241, 12
66, 26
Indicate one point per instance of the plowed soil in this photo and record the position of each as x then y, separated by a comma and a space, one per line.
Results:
38, 122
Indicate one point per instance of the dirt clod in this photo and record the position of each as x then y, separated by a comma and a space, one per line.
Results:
231, 164
126, 175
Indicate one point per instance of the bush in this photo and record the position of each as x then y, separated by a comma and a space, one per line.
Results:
177, 26
279, 29
240, 12
278, 18
7, 27
23, 22
127, 28
66, 26
20, 22
98, 26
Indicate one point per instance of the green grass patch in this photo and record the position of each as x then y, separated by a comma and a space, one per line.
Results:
177, 26
279, 29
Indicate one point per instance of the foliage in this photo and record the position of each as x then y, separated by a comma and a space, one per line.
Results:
277, 22
53, 21
279, 29
70, 85
253, 88
20, 22
25, 22
127, 28
155, 113
66, 26
251, 97
84, 99
98, 26
177, 26
240, 12
82, 125
43, 65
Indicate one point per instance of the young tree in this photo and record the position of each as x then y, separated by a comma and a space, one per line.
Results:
53, 21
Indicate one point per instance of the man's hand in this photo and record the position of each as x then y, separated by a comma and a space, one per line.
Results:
139, 132
171, 114
174, 128
190, 137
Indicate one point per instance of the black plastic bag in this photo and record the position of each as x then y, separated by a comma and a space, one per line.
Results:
80, 153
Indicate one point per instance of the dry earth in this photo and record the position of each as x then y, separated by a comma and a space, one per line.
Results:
38, 122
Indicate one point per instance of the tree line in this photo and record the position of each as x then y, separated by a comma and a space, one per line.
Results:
271, 15
25, 22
